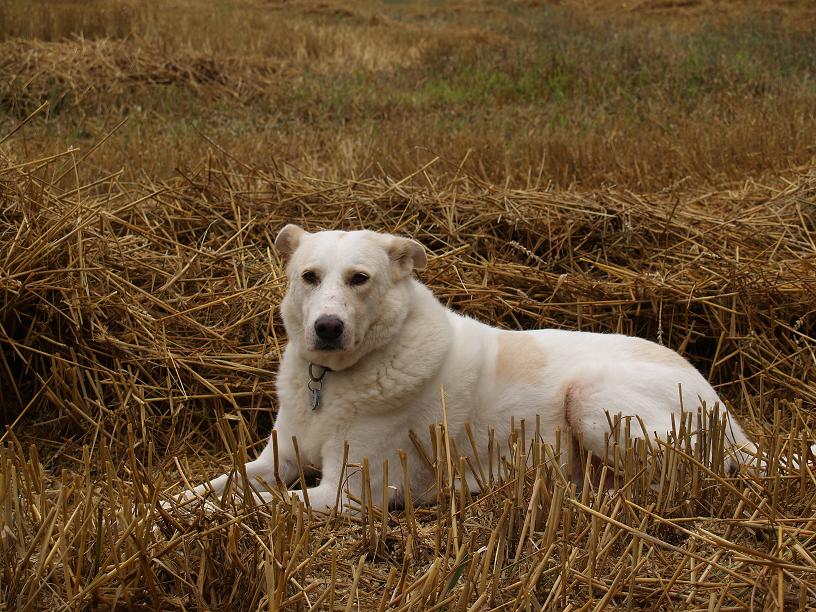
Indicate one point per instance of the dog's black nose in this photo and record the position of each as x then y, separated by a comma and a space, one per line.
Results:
328, 327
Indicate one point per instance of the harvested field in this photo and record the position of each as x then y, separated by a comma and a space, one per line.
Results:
139, 332
139, 326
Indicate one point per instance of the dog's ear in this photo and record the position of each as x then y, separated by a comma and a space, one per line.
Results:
407, 255
288, 239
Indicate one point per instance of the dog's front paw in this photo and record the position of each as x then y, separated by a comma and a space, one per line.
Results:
182, 513
189, 505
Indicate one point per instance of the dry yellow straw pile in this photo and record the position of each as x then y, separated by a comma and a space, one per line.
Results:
139, 340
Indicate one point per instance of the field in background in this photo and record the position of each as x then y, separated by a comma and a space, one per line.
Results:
637, 167
639, 95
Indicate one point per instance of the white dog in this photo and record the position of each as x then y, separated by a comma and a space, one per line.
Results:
370, 347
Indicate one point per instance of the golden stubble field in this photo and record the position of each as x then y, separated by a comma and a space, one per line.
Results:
637, 167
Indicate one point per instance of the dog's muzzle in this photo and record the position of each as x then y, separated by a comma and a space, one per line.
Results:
329, 332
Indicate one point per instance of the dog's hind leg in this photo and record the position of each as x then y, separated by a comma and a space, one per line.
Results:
649, 395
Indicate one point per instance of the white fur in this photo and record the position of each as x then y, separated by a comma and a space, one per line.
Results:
400, 346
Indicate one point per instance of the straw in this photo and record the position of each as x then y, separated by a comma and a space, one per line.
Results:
140, 337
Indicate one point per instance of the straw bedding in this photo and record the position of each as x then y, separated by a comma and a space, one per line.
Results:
139, 340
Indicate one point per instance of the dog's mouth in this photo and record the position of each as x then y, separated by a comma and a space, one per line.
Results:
327, 345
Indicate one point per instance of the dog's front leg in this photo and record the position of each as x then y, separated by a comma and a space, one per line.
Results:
260, 473
332, 492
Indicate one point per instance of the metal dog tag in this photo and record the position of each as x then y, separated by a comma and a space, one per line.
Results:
315, 384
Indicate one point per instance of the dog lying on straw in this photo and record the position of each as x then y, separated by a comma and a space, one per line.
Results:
370, 348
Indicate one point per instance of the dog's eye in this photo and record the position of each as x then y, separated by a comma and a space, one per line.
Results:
309, 277
358, 279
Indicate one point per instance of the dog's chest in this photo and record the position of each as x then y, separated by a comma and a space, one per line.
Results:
344, 399
306, 416
314, 423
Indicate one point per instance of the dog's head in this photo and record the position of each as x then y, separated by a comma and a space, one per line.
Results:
347, 291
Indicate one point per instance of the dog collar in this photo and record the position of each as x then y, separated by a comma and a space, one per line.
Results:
315, 384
